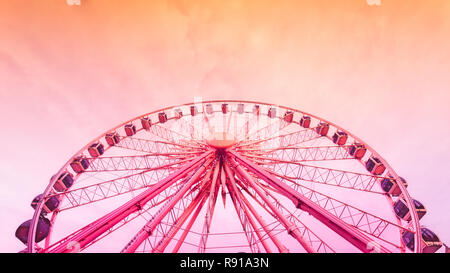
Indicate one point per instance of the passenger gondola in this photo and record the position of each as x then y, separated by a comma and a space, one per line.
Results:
340, 138
194, 110
431, 242
50, 204
162, 117
146, 123
305, 121
42, 230
64, 182
322, 128
79, 164
96, 149
390, 185
374, 166
288, 116
130, 129
112, 138
402, 211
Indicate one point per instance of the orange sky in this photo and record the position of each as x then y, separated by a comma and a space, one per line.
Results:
68, 73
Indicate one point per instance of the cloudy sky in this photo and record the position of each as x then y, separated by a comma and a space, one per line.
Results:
68, 73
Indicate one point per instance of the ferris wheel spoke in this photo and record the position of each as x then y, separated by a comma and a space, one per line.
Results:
249, 143
366, 222
270, 130
318, 244
378, 225
198, 201
196, 133
273, 129
172, 136
100, 226
301, 154
158, 200
114, 187
243, 132
178, 214
248, 224
200, 130
321, 175
206, 118
187, 229
291, 228
149, 227
268, 232
170, 224
152, 146
183, 126
229, 121
321, 182
136, 162
257, 133
212, 198
284, 140
166, 230
167, 134
342, 228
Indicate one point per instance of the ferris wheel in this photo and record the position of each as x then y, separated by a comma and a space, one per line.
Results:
226, 176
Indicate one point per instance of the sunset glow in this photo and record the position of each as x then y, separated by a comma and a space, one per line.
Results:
69, 73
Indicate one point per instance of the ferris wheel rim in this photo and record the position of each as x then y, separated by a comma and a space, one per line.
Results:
405, 193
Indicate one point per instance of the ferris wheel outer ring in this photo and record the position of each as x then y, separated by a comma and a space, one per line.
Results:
418, 245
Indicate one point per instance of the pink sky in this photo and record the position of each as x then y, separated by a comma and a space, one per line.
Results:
68, 73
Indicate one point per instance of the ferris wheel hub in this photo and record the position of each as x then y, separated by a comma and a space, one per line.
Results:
221, 140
